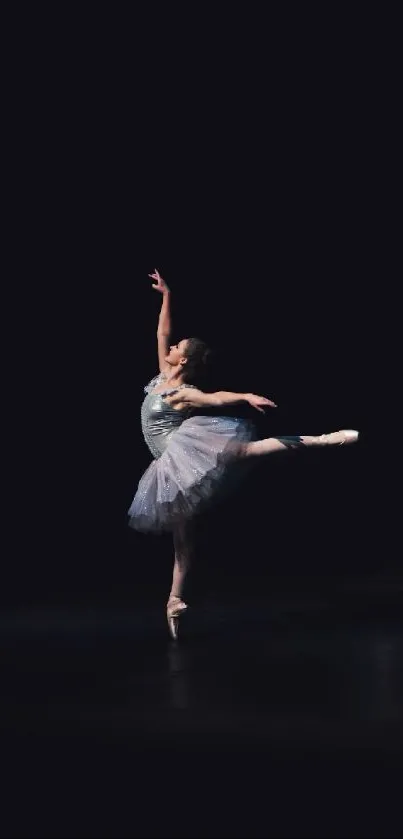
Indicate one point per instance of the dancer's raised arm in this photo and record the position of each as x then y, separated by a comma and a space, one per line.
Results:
164, 322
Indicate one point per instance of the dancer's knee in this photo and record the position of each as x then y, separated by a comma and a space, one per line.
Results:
244, 450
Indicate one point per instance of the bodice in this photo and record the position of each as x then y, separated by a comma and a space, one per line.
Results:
158, 418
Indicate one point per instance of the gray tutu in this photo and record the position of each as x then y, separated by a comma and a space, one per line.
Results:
196, 463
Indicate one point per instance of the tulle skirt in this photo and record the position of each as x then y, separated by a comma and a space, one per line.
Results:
200, 465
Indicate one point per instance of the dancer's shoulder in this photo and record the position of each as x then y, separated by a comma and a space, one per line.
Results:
154, 382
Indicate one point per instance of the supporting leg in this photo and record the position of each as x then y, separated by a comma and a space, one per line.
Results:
183, 544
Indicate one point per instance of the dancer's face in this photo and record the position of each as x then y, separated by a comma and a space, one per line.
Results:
176, 354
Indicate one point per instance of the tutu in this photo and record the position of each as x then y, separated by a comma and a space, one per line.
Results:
200, 464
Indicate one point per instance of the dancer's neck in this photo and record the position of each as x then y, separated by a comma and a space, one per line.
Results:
175, 377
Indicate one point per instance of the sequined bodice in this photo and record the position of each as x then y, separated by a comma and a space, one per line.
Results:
158, 418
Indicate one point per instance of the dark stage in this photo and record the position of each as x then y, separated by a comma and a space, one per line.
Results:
277, 715
280, 710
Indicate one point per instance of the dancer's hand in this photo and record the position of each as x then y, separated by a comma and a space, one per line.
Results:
259, 402
160, 284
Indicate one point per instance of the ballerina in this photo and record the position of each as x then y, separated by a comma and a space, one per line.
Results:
196, 458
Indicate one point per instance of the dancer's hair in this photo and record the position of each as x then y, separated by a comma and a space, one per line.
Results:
198, 360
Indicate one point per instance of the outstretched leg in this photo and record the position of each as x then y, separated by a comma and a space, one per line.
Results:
277, 444
183, 545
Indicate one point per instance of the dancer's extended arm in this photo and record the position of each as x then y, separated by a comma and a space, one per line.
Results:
196, 398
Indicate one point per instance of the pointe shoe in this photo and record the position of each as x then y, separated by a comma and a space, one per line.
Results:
339, 438
175, 608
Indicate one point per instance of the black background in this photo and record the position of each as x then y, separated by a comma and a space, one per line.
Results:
247, 152
243, 161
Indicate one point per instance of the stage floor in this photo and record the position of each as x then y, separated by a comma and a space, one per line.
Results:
274, 716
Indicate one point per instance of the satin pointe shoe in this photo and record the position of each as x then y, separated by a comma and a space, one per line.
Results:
339, 438
175, 609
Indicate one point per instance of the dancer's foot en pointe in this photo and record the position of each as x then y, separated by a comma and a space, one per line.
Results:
175, 609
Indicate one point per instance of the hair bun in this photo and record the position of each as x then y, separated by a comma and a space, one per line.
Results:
198, 356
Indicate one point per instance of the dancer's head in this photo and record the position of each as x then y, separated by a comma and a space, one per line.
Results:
192, 356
